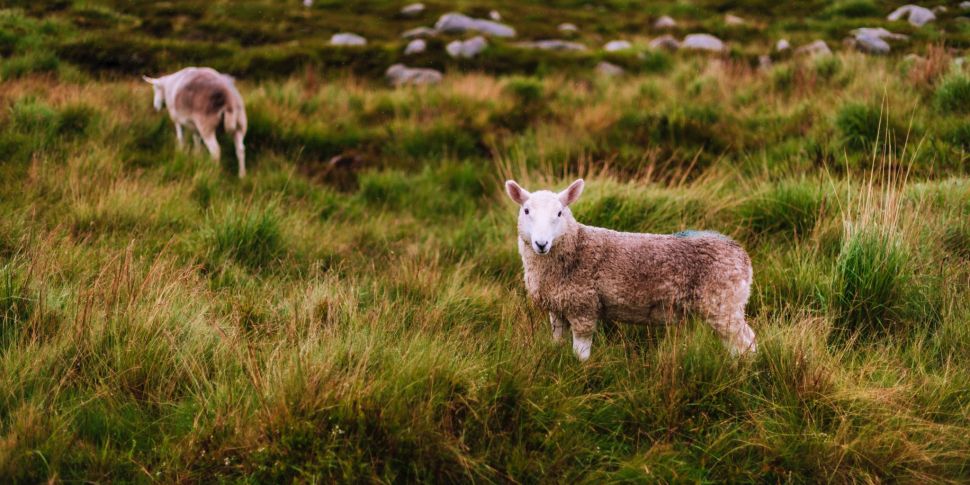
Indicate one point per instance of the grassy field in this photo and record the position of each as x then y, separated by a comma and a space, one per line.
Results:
163, 321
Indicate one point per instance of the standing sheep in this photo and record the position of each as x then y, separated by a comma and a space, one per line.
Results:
580, 273
200, 99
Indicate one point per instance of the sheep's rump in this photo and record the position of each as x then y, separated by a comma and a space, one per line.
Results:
652, 278
205, 93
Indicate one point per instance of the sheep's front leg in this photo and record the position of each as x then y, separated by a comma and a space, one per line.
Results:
558, 324
179, 136
583, 328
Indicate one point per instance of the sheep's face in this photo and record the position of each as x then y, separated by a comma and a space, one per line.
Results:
159, 91
544, 216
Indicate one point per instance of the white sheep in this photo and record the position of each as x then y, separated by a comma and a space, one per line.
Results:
580, 273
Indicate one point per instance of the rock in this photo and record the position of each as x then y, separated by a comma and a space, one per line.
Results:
553, 45
817, 48
782, 45
416, 46
617, 45
419, 32
965, 5
940, 9
918, 16
456, 23
346, 38
412, 10
703, 42
567, 28
733, 20
871, 44
400, 75
878, 32
468, 48
494, 15
665, 22
307, 3
764, 62
609, 70
665, 42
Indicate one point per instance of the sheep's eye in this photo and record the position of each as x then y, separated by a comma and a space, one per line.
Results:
527, 211
560, 213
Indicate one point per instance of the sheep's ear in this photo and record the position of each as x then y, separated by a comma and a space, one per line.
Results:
572, 192
150, 80
516, 193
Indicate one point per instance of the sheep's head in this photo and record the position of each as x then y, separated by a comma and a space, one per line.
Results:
159, 91
544, 216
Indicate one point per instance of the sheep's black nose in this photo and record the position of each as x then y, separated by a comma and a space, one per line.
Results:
541, 246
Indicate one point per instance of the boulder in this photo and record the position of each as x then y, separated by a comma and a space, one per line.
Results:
347, 38
419, 32
665, 22
817, 48
416, 46
467, 48
703, 42
617, 45
456, 23
609, 70
782, 46
399, 75
665, 42
567, 28
412, 10
553, 45
871, 44
918, 16
733, 20
965, 5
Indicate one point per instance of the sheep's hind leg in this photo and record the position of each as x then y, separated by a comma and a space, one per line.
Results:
179, 136
240, 152
557, 324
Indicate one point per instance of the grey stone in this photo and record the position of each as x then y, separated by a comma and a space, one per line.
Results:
419, 32
412, 10
609, 70
918, 16
400, 75
817, 48
347, 38
665, 42
617, 45
702, 42
416, 46
553, 45
468, 48
456, 23
665, 22
782, 45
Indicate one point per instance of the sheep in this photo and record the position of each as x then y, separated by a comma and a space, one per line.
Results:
579, 273
199, 98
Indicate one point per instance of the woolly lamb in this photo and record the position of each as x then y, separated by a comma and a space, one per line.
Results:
580, 273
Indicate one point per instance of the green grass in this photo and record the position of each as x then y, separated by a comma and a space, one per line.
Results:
163, 320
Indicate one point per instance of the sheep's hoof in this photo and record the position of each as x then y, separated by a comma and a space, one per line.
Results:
581, 347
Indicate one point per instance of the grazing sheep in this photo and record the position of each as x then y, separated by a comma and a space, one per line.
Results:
200, 98
580, 273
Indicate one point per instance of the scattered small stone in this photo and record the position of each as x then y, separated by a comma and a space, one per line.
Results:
733, 20
400, 75
782, 45
609, 70
553, 45
456, 23
918, 16
665, 42
416, 46
817, 48
412, 10
567, 27
494, 15
468, 48
764, 62
419, 32
870, 44
965, 5
878, 32
703, 42
665, 22
347, 38
617, 45
307, 3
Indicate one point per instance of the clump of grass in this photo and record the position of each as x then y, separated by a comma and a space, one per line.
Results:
871, 283
29, 63
75, 120
826, 67
852, 9
862, 126
956, 240
252, 237
789, 207
16, 304
953, 94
